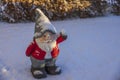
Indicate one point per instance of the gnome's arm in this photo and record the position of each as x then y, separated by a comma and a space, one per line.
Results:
61, 37
30, 49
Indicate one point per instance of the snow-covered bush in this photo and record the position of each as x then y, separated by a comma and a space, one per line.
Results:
17, 11
23, 10
116, 7
98, 7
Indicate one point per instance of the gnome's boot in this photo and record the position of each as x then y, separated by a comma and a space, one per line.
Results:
53, 70
38, 73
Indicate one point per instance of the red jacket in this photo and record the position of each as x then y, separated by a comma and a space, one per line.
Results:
34, 51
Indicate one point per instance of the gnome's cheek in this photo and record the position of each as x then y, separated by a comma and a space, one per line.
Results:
41, 39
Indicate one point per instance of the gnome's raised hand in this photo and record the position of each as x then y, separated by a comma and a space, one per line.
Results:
63, 34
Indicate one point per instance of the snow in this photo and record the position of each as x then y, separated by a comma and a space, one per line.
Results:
91, 52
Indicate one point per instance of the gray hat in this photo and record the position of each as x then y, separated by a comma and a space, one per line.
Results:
42, 24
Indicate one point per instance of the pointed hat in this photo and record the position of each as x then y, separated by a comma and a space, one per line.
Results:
42, 24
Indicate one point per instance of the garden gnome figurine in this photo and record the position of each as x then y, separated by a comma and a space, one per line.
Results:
43, 50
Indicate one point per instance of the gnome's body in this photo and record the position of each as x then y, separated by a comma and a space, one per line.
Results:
43, 50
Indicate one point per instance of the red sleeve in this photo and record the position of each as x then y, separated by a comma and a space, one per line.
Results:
60, 39
30, 49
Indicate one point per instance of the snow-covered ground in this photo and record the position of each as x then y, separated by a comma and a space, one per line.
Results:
91, 52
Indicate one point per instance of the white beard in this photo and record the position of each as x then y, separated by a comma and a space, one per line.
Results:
47, 47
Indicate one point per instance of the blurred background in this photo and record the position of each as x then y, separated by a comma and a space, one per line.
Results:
13, 11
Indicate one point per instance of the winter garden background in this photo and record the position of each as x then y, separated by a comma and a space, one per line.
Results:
23, 10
